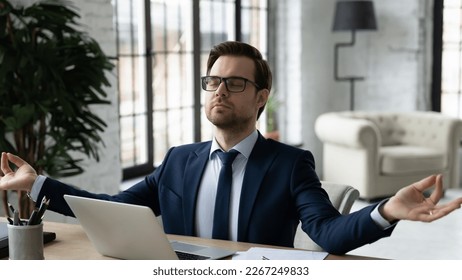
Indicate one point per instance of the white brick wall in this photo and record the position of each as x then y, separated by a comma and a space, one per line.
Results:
105, 175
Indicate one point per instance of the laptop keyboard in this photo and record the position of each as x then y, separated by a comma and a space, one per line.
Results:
189, 256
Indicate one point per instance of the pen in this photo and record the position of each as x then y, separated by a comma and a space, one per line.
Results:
11, 208
32, 217
38, 217
16, 218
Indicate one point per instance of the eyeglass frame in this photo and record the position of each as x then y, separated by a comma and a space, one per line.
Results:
222, 79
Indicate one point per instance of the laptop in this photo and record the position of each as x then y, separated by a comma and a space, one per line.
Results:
47, 237
133, 232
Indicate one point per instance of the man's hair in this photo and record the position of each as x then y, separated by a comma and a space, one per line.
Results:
263, 76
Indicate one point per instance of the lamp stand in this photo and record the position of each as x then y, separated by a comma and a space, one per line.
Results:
351, 79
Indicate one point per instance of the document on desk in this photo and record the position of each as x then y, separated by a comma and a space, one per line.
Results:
257, 253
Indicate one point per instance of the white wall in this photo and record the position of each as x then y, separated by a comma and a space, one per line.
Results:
395, 61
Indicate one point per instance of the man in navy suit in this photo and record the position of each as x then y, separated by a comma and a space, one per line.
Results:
274, 186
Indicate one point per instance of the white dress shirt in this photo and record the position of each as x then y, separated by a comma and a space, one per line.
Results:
208, 187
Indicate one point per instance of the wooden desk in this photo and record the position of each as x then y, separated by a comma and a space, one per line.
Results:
72, 243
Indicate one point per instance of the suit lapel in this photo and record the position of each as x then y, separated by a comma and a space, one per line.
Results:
257, 166
192, 178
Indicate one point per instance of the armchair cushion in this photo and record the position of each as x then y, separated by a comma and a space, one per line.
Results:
410, 159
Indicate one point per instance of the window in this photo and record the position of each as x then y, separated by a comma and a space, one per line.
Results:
451, 63
162, 48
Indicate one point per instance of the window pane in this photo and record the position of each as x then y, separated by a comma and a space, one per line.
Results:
171, 26
451, 104
130, 31
172, 76
133, 140
451, 76
451, 25
217, 23
206, 127
254, 3
254, 32
132, 82
452, 3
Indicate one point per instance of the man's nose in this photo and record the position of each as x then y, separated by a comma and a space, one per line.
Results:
221, 90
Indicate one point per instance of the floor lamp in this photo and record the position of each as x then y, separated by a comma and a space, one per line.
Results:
352, 16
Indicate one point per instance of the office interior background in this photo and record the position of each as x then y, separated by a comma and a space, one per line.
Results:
160, 48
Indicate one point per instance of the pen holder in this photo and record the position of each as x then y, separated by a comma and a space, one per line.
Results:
25, 242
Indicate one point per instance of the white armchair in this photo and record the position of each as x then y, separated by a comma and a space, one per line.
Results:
381, 152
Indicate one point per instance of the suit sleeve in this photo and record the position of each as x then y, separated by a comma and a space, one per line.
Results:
143, 193
335, 233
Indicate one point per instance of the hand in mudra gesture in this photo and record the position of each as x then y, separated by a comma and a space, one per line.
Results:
410, 203
20, 179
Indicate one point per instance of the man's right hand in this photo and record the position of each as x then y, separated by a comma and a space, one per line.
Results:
21, 179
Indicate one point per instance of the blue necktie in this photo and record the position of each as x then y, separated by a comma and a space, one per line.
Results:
221, 213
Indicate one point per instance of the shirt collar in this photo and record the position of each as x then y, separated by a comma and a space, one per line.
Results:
244, 147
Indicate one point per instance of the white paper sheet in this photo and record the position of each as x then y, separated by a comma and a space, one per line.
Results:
256, 253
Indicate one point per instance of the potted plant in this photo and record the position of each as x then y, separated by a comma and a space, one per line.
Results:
272, 129
51, 73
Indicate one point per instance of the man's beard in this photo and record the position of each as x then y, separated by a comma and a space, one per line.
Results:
231, 122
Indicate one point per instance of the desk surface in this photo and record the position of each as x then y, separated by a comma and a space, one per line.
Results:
73, 244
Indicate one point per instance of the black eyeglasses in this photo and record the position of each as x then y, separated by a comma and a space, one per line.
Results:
233, 84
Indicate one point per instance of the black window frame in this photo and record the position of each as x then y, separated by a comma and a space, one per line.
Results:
139, 170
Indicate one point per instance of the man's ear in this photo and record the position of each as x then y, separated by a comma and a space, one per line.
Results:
263, 96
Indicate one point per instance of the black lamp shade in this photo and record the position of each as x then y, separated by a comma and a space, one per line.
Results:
354, 15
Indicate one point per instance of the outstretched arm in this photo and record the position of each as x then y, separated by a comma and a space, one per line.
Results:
21, 179
410, 203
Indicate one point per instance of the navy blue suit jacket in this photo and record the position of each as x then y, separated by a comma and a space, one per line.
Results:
280, 188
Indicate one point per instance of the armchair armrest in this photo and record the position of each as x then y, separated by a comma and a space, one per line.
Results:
349, 132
